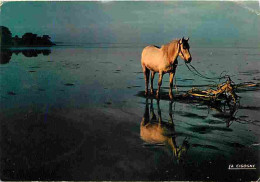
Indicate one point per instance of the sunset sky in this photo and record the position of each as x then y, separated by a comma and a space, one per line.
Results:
215, 23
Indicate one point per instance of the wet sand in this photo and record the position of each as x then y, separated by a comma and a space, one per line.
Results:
66, 144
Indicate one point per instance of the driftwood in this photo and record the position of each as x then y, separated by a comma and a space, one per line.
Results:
224, 91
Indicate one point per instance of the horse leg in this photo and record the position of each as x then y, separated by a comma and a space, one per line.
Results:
152, 77
159, 84
159, 112
146, 117
171, 84
146, 77
171, 112
153, 116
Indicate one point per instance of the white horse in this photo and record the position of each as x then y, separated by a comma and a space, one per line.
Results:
163, 60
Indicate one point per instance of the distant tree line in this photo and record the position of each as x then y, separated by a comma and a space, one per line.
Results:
27, 40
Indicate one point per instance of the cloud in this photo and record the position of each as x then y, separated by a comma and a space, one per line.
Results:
243, 5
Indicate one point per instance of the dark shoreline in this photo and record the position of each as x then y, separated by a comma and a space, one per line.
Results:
26, 46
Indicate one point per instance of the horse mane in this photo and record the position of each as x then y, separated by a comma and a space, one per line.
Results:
170, 50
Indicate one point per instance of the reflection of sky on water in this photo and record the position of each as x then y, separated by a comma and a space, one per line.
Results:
110, 74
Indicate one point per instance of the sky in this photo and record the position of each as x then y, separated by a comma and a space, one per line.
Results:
206, 23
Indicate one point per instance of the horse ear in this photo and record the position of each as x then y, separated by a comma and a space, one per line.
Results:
187, 38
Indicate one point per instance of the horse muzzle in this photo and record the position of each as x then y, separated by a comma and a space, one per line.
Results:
188, 60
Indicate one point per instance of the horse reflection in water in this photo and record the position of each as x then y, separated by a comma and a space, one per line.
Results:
158, 132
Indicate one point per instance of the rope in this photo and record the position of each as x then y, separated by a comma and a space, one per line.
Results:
196, 72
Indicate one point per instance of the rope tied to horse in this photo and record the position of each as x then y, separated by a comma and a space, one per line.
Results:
196, 72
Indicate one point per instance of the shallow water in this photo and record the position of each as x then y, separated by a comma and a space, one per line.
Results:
75, 112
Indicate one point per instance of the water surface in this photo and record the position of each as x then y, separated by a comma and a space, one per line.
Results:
75, 113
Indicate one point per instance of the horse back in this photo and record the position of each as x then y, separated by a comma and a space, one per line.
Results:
151, 49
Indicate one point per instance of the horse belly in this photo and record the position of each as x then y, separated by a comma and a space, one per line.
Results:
153, 67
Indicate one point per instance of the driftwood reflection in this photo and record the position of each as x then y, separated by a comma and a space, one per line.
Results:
157, 132
227, 112
6, 54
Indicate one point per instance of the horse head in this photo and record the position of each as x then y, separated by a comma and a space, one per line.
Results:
181, 151
184, 50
